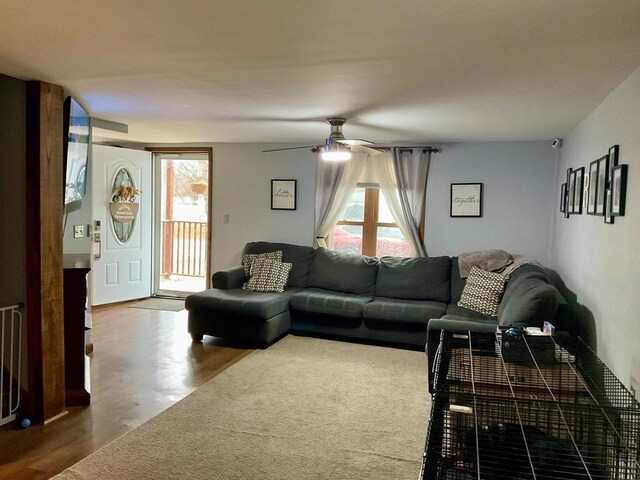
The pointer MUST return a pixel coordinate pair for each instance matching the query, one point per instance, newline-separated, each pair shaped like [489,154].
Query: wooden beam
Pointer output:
[45,319]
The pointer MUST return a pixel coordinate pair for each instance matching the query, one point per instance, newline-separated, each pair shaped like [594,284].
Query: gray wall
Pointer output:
[13,184]
[518,196]
[13,202]
[242,189]
[601,263]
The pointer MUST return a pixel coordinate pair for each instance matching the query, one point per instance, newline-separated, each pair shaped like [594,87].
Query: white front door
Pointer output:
[121,266]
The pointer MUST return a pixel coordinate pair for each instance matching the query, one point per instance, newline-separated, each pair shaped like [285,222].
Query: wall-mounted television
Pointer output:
[76,151]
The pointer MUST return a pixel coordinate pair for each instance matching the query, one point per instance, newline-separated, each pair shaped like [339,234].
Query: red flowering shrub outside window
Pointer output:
[367,227]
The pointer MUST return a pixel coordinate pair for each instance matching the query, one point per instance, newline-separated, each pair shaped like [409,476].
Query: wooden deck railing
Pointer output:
[184,248]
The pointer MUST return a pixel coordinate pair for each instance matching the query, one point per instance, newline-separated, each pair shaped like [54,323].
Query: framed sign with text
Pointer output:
[283,194]
[466,200]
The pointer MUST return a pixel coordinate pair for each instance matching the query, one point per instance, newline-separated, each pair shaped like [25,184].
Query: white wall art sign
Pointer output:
[466,200]
[283,194]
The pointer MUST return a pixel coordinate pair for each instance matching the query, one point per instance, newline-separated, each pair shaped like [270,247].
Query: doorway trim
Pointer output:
[209,152]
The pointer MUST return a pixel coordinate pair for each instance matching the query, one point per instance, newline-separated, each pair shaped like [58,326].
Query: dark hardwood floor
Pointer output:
[143,362]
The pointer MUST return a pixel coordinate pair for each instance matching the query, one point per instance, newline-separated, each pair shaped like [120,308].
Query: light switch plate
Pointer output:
[78,231]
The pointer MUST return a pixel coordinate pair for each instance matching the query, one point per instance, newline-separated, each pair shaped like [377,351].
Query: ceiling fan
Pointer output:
[336,147]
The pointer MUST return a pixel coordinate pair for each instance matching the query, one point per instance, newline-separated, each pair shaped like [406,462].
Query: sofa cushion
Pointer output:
[532,302]
[416,312]
[343,272]
[415,278]
[299,256]
[483,291]
[267,275]
[457,282]
[239,303]
[248,258]
[325,302]
[453,310]
[519,276]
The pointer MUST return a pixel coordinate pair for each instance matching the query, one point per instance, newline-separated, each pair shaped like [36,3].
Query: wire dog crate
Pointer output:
[528,407]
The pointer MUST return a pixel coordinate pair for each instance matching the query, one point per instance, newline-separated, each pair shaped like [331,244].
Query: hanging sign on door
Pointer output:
[123,206]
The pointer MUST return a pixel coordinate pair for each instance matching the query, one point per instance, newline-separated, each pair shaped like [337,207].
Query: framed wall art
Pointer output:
[608,218]
[585,191]
[603,170]
[613,160]
[571,190]
[283,194]
[593,187]
[578,176]
[563,198]
[618,190]
[465,200]
[567,212]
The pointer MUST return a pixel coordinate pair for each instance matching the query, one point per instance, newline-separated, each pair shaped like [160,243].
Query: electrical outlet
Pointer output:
[225,218]
[78,231]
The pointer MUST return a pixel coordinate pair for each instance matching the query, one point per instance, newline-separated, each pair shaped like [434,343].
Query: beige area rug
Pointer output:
[303,409]
[173,305]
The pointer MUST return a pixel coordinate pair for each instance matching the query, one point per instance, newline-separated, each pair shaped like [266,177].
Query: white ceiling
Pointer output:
[272,70]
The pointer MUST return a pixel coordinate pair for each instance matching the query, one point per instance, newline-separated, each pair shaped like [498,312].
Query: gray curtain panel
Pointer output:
[412,170]
[327,182]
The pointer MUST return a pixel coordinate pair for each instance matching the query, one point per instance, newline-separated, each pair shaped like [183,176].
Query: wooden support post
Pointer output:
[45,317]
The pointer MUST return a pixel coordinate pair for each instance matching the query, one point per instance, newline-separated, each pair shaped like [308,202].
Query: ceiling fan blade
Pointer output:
[288,148]
[363,149]
[355,141]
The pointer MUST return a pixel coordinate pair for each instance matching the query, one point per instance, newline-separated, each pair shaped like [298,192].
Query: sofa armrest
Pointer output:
[228,278]
[455,323]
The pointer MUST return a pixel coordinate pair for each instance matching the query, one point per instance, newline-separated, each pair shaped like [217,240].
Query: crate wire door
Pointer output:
[530,410]
[10,362]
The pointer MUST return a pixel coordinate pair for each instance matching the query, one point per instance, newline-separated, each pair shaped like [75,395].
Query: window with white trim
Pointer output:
[367,226]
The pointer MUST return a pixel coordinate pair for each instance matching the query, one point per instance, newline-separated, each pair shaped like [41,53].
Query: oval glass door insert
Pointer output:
[122,230]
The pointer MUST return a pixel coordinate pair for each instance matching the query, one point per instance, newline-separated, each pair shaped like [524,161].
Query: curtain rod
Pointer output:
[425,148]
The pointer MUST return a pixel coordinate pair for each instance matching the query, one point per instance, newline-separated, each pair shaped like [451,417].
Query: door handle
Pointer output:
[97,246]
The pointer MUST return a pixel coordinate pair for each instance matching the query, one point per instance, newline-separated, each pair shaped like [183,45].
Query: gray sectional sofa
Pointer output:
[401,301]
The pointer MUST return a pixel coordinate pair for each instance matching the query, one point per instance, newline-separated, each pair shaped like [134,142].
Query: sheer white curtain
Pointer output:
[385,172]
[347,183]
[411,167]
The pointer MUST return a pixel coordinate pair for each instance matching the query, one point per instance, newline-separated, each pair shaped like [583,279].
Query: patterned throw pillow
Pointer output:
[248,258]
[483,291]
[267,275]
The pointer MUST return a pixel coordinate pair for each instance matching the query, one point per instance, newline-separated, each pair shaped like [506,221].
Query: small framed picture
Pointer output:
[618,190]
[585,192]
[603,170]
[465,200]
[608,218]
[563,198]
[593,187]
[567,213]
[283,194]
[571,191]
[578,176]
[614,152]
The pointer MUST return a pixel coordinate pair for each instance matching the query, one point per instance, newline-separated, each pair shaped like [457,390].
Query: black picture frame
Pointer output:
[578,185]
[585,191]
[567,212]
[571,190]
[465,200]
[608,218]
[283,193]
[563,198]
[618,190]
[593,187]
[603,172]
[614,153]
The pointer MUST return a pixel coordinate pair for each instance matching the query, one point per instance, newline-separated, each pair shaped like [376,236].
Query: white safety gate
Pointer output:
[10,362]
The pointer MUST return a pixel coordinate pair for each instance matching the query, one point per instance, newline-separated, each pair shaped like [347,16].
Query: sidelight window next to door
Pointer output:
[181,240]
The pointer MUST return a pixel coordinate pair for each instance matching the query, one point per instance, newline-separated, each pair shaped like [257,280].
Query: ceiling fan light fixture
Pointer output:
[333,152]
